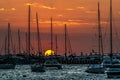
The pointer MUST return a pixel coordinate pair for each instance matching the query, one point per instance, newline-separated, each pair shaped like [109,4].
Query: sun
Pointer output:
[49,52]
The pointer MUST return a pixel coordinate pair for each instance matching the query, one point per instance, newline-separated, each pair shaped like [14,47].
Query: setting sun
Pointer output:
[49,52]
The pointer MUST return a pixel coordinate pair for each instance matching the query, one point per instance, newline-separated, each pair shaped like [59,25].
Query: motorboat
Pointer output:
[7,66]
[52,63]
[95,68]
[37,67]
[114,70]
[7,63]
[106,63]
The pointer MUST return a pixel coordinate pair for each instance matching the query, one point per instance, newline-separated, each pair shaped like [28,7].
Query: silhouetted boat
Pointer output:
[96,68]
[7,62]
[106,62]
[52,63]
[37,67]
[7,66]
[114,69]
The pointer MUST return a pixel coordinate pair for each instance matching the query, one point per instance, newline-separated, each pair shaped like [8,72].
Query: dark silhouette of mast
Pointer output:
[8,39]
[5,44]
[29,13]
[26,42]
[65,41]
[99,29]
[19,43]
[111,44]
[51,35]
[100,42]
[38,36]
[56,42]
[69,44]
[11,44]
[68,48]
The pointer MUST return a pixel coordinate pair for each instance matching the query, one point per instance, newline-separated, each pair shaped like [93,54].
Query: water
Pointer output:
[69,72]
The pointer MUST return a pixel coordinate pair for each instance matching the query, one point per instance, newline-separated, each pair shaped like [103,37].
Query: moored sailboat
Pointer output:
[7,62]
[37,67]
[51,61]
[97,68]
[114,68]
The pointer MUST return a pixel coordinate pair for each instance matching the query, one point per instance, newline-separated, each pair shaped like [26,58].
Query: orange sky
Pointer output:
[79,15]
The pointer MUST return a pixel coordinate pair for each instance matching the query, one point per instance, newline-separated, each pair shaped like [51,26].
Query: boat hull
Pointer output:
[97,69]
[113,74]
[52,65]
[37,68]
[7,66]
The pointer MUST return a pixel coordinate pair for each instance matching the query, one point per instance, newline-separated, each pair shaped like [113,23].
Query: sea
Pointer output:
[69,72]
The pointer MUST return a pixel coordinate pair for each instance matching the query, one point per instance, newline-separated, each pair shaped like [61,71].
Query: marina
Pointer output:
[54,58]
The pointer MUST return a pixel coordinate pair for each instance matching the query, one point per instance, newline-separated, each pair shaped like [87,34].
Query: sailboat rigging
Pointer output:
[38,36]
[100,41]
[111,35]
[19,42]
[29,13]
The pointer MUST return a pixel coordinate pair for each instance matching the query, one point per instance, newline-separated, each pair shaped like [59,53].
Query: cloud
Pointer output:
[91,12]
[69,9]
[104,22]
[40,6]
[2,9]
[74,22]
[9,9]
[13,9]
[60,15]
[80,7]
[70,20]
[47,7]
[119,12]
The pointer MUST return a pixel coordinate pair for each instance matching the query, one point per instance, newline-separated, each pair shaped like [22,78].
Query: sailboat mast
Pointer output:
[111,44]
[8,38]
[29,10]
[26,42]
[99,29]
[5,44]
[51,35]
[56,44]
[38,32]
[65,41]
[69,43]
[38,36]
[19,43]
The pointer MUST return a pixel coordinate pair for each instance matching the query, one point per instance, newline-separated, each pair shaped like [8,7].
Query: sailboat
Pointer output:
[51,62]
[114,68]
[96,68]
[68,53]
[8,62]
[37,67]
